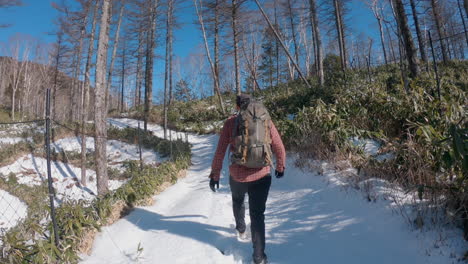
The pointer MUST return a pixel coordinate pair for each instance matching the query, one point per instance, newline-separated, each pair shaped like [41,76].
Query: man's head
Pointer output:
[242,101]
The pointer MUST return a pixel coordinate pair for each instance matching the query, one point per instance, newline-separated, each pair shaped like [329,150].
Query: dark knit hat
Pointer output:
[243,100]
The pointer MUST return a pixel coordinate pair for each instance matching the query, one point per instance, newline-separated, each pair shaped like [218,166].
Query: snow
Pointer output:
[31,170]
[13,210]
[369,146]
[309,219]
[13,140]
[18,129]
[117,151]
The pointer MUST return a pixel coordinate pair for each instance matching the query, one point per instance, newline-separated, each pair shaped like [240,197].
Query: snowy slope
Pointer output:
[13,210]
[31,170]
[13,140]
[117,151]
[309,219]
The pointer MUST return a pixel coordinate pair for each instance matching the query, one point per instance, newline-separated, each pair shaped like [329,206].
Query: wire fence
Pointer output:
[42,167]
[23,173]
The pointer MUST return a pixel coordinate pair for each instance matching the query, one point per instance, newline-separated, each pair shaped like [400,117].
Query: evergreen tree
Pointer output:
[183,92]
[268,60]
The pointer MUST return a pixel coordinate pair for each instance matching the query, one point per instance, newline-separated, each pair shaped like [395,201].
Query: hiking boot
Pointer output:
[243,236]
[260,260]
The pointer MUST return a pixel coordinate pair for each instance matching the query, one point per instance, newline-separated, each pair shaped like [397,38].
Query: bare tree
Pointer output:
[79,20]
[100,113]
[422,45]
[17,70]
[318,40]
[440,31]
[139,65]
[85,91]
[291,15]
[465,4]
[462,16]
[377,11]
[123,71]
[402,22]
[339,15]
[168,68]
[150,46]
[213,65]
[282,44]
[114,52]
[235,33]
[252,56]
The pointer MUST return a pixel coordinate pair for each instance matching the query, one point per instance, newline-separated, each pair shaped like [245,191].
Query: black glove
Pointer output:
[279,174]
[214,183]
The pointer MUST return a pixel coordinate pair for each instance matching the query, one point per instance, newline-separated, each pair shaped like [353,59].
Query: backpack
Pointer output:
[251,145]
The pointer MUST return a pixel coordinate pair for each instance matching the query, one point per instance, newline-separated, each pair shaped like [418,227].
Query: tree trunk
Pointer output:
[150,45]
[78,62]
[276,45]
[463,20]
[85,94]
[465,4]
[236,45]
[293,31]
[100,113]
[122,78]
[422,45]
[440,31]
[167,78]
[340,31]
[407,38]
[282,44]
[213,65]
[114,52]
[216,59]
[390,41]
[53,104]
[382,40]
[139,66]
[251,65]
[318,41]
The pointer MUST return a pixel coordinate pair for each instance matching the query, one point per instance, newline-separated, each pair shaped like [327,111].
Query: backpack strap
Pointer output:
[235,127]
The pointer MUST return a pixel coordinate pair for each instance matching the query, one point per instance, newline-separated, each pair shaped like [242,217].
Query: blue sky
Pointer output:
[37,16]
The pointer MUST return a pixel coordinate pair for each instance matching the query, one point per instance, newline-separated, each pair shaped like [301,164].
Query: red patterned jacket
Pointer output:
[238,172]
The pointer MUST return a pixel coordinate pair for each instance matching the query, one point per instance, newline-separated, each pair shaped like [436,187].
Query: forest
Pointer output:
[398,81]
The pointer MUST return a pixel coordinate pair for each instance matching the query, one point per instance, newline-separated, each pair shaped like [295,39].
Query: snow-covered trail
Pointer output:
[308,220]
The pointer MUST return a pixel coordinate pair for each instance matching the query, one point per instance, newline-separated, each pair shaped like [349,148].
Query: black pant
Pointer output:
[258,194]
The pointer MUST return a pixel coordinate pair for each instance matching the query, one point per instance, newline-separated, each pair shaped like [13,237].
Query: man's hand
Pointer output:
[214,183]
[279,174]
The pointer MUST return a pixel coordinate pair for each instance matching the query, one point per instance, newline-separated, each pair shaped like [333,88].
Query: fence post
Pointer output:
[139,145]
[49,171]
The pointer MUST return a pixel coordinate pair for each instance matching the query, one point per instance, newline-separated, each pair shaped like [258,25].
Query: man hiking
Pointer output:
[252,137]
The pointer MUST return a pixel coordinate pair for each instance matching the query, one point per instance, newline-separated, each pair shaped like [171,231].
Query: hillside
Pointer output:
[32,79]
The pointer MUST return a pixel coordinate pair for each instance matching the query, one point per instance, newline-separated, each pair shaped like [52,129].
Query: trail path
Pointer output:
[309,219]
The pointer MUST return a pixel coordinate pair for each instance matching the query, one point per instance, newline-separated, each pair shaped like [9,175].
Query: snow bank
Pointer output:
[18,129]
[13,211]
[371,147]
[13,140]
[117,151]
[31,170]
